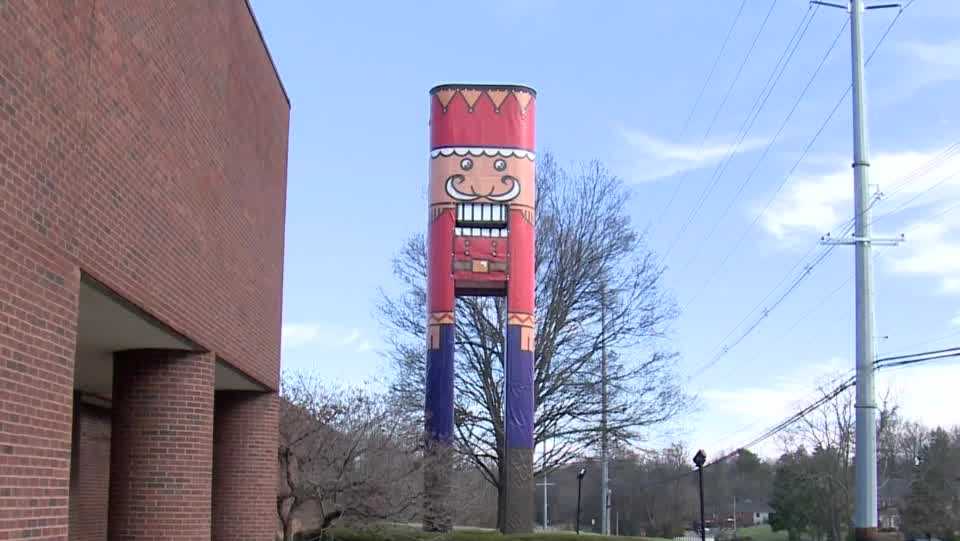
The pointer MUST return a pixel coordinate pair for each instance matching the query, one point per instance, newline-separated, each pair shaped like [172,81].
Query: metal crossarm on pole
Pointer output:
[853,240]
[829,4]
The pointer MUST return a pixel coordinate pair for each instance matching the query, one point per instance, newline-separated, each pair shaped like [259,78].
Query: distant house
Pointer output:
[750,513]
[890,497]
[889,518]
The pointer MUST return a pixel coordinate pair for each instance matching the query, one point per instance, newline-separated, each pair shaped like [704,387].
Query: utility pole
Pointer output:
[605,466]
[546,521]
[865,466]
[736,484]
[865,512]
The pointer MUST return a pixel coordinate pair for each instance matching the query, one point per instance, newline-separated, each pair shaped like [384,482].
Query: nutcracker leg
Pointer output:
[520,376]
[438,414]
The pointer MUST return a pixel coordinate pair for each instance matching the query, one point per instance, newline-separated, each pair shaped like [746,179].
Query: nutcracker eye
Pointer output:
[500,165]
[466,164]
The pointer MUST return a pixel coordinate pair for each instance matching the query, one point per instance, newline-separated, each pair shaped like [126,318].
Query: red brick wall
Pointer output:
[244,466]
[161,453]
[90,473]
[144,143]
[38,296]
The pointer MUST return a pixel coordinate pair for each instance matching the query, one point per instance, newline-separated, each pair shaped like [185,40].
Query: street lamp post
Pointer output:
[699,459]
[580,474]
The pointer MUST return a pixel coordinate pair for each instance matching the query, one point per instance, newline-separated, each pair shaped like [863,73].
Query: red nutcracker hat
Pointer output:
[482,120]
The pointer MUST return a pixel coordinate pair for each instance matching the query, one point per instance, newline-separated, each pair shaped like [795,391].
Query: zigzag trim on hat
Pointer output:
[484,151]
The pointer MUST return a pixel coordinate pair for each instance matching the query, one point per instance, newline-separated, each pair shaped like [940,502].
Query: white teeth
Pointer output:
[481,213]
[496,232]
[474,214]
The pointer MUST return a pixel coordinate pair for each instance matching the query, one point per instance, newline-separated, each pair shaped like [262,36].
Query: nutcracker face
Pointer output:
[482,174]
[482,188]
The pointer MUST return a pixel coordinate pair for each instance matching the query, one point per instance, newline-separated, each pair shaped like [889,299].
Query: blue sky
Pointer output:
[616,82]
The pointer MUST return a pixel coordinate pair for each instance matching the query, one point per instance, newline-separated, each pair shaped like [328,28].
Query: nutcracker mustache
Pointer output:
[454,180]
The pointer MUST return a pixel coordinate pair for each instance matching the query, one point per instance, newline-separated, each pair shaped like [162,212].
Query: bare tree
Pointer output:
[667,505]
[585,242]
[830,431]
[343,454]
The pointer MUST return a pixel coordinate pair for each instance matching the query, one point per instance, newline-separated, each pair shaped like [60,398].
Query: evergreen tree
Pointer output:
[793,500]
[932,506]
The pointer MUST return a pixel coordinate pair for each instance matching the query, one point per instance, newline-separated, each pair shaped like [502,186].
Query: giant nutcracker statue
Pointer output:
[481,242]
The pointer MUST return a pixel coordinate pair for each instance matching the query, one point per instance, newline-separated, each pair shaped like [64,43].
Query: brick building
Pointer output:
[143,150]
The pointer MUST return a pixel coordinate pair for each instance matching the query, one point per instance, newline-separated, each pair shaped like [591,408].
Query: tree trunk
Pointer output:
[286,519]
[501,496]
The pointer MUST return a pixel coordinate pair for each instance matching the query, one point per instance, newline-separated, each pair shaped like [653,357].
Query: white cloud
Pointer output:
[758,408]
[944,56]
[817,203]
[932,249]
[922,64]
[956,320]
[924,393]
[655,158]
[324,336]
[916,183]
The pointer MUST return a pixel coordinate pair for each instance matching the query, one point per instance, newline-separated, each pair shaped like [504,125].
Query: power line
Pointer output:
[914,198]
[726,96]
[726,348]
[894,360]
[760,304]
[951,208]
[907,362]
[950,177]
[696,102]
[713,68]
[763,211]
[805,272]
[928,166]
[848,382]
[933,340]
[817,306]
[879,364]
[736,77]
[712,229]
[715,271]
[794,325]
[807,269]
[931,165]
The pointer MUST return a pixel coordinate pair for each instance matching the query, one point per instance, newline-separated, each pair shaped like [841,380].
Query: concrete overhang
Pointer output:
[108,323]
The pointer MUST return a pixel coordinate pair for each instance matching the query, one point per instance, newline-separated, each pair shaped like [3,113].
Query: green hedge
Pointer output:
[401,533]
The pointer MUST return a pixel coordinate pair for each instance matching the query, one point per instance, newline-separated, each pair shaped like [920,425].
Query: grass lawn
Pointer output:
[761,533]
